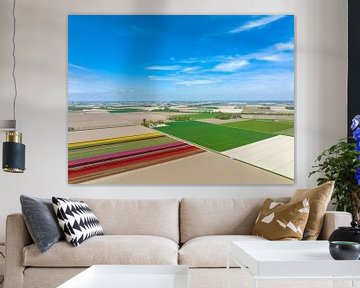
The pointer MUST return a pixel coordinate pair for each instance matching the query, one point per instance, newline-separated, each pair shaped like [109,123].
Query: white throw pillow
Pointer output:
[76,220]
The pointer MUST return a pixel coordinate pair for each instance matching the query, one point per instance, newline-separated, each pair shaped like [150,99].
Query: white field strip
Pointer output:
[96,134]
[274,154]
[228,109]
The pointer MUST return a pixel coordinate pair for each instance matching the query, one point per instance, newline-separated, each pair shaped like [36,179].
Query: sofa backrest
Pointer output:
[159,217]
[200,217]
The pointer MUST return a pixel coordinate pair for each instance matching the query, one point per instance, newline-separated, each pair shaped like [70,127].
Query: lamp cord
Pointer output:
[2,280]
[14,61]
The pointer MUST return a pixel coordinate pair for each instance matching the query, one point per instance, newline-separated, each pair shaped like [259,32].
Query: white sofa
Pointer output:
[194,232]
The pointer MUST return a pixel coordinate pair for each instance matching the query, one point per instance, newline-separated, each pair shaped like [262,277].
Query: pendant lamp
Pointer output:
[13,160]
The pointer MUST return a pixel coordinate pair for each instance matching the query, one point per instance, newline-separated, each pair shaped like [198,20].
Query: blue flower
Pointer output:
[357,147]
[357,176]
[355,122]
[356,134]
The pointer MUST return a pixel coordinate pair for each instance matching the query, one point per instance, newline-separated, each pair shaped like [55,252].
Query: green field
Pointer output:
[287,132]
[216,137]
[195,116]
[126,110]
[279,127]
[118,147]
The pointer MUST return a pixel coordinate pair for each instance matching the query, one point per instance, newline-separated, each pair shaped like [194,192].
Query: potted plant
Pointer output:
[341,163]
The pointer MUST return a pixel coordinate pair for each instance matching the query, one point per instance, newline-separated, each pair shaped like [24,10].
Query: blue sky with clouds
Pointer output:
[181,58]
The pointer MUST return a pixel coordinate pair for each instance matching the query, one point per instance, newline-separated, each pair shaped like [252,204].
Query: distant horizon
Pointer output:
[198,58]
[185,101]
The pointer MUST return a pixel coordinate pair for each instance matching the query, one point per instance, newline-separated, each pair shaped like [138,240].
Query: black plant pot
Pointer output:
[343,250]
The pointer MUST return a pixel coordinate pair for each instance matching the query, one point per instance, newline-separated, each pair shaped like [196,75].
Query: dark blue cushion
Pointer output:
[41,221]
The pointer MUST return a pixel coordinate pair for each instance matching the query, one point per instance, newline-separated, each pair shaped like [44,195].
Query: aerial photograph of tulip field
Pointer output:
[181,99]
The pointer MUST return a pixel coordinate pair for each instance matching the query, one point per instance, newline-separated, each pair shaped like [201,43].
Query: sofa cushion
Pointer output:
[319,198]
[76,220]
[201,217]
[279,221]
[41,221]
[211,251]
[107,249]
[158,217]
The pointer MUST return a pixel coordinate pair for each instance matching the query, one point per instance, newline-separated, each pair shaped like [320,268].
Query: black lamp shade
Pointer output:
[13,157]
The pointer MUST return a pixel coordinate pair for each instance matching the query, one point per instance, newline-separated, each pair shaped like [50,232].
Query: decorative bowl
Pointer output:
[344,250]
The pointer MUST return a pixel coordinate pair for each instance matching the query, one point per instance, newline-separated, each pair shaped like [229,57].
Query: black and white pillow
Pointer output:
[77,220]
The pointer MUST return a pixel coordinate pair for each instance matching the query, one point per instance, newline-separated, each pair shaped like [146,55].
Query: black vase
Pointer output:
[350,234]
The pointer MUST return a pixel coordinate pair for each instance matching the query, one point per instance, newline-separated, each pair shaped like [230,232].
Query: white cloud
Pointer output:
[186,80]
[257,23]
[191,60]
[153,77]
[278,57]
[194,82]
[191,69]
[231,66]
[90,85]
[285,46]
[275,85]
[271,58]
[164,68]
[78,67]
[86,84]
[157,78]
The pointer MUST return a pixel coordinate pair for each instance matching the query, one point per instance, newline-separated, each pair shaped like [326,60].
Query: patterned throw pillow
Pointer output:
[279,221]
[77,220]
[319,198]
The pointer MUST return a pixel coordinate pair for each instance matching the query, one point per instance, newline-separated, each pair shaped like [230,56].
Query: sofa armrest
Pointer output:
[17,237]
[333,220]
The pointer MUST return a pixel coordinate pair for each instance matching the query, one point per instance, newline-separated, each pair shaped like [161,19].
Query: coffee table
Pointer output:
[292,260]
[131,276]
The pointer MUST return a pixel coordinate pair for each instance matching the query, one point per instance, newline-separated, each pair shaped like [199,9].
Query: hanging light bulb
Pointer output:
[13,149]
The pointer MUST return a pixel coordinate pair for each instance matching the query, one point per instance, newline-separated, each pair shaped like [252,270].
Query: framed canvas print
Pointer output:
[181,99]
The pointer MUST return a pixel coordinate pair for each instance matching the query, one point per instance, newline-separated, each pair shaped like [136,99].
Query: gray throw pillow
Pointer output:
[41,221]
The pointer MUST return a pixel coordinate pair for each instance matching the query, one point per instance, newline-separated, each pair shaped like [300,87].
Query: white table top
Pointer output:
[131,276]
[291,259]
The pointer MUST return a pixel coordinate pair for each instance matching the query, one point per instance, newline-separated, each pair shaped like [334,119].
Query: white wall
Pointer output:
[321,64]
